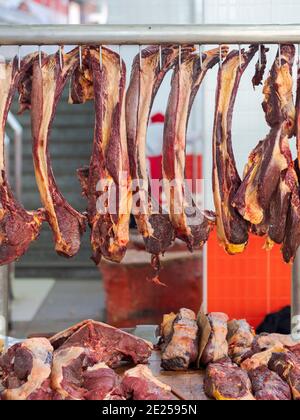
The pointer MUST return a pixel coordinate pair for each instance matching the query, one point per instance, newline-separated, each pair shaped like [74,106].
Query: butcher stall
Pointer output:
[192,354]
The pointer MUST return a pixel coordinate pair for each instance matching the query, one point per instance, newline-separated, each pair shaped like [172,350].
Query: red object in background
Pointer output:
[249,285]
[61,6]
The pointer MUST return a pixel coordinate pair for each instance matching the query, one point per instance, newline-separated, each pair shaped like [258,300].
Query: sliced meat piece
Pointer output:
[254,361]
[26,370]
[147,74]
[232,229]
[140,384]
[217,346]
[268,386]
[240,338]
[104,343]
[190,223]
[18,227]
[77,375]
[180,345]
[107,183]
[266,341]
[272,156]
[48,83]
[226,381]
[287,366]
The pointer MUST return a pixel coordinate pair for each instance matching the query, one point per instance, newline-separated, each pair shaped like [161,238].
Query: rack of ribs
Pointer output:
[18,227]
[106,183]
[232,229]
[48,82]
[148,71]
[191,224]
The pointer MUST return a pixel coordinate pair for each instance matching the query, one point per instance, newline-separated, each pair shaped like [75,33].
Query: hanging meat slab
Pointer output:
[179,341]
[268,386]
[48,82]
[26,370]
[18,227]
[148,72]
[264,187]
[106,183]
[191,224]
[232,229]
[226,381]
[217,346]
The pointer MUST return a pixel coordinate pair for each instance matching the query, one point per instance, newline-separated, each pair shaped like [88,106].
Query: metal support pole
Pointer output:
[295,319]
[4,299]
[147,34]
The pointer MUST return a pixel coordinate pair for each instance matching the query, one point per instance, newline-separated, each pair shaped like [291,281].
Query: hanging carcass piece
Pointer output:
[265,192]
[18,228]
[231,228]
[190,223]
[179,340]
[268,386]
[148,71]
[26,370]
[226,381]
[48,82]
[106,183]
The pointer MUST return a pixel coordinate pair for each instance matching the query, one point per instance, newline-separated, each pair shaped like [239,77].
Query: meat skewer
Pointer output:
[190,224]
[148,72]
[18,227]
[48,83]
[106,183]
[231,228]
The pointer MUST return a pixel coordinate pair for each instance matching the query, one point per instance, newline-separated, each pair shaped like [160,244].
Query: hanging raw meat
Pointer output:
[148,72]
[265,192]
[18,227]
[26,370]
[232,229]
[48,82]
[191,224]
[106,183]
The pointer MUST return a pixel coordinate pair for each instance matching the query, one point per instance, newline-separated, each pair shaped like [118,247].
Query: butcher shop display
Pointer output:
[94,361]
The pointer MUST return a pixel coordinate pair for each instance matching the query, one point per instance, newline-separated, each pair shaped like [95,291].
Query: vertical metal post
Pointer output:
[4,300]
[295,310]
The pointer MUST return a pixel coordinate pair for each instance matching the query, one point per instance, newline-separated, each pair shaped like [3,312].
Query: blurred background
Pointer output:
[49,292]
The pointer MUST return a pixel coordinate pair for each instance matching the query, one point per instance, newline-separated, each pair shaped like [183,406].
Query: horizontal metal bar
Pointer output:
[147,34]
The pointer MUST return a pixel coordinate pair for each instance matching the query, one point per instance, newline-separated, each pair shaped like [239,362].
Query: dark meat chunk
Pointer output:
[287,366]
[240,338]
[226,381]
[268,386]
[180,341]
[217,346]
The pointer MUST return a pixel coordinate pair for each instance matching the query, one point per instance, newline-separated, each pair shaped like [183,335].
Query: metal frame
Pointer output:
[161,34]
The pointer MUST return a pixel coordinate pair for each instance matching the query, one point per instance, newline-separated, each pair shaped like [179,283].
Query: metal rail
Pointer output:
[159,34]
[147,34]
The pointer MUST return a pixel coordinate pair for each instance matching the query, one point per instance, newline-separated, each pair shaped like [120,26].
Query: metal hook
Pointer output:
[100,57]
[240,56]
[140,57]
[259,56]
[80,57]
[61,64]
[40,56]
[200,55]
[121,61]
[19,57]
[180,56]
[220,56]
[160,57]
[298,62]
[279,54]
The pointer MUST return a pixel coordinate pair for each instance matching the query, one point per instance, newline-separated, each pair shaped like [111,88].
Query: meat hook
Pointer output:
[140,56]
[180,56]
[40,56]
[120,55]
[160,57]
[80,57]
[221,56]
[240,56]
[60,57]
[100,57]
[279,54]
[200,55]
[19,57]
[259,56]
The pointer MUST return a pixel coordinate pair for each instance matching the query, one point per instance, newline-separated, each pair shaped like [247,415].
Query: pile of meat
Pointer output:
[239,365]
[80,364]
[265,201]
